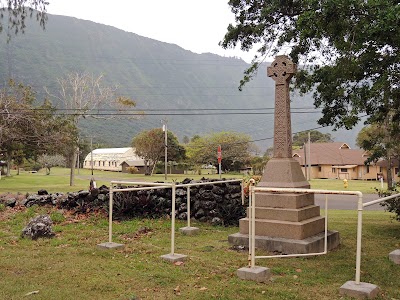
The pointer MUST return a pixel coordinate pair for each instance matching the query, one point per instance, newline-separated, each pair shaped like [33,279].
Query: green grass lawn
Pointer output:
[69,266]
[58,181]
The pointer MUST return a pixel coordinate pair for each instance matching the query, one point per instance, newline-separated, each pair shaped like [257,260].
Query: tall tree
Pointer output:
[13,14]
[236,149]
[85,95]
[150,145]
[27,131]
[381,144]
[300,138]
[348,51]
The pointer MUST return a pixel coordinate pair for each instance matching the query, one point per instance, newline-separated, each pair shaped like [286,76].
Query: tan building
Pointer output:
[395,164]
[110,159]
[335,160]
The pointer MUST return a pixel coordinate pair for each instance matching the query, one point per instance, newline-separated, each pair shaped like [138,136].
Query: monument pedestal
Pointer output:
[286,223]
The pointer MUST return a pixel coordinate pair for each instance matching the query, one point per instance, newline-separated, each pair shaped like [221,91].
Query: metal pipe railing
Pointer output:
[298,191]
[113,190]
[155,185]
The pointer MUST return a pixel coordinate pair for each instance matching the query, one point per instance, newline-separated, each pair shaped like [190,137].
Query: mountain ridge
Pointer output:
[158,75]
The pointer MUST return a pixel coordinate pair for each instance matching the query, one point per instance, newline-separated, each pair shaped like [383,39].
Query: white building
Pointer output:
[110,159]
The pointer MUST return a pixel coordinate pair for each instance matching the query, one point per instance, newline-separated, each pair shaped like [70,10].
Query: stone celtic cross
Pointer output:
[281,70]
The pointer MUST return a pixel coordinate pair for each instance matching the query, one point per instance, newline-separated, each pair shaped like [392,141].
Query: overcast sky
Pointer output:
[195,25]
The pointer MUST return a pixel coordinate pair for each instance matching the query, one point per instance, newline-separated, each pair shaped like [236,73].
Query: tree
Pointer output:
[300,138]
[150,145]
[27,131]
[49,161]
[378,141]
[16,12]
[258,163]
[84,95]
[348,51]
[236,148]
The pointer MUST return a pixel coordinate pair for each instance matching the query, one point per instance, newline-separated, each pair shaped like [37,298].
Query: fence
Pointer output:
[360,206]
[152,186]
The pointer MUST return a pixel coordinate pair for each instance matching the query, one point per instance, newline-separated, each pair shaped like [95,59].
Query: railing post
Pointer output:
[359,237]
[250,220]
[173,220]
[110,213]
[253,228]
[188,205]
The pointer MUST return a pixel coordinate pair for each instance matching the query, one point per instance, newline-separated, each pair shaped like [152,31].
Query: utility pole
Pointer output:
[91,153]
[305,161]
[166,148]
[309,156]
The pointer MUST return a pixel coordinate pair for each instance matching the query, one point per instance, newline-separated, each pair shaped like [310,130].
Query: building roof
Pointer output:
[337,154]
[111,150]
[113,154]
[134,163]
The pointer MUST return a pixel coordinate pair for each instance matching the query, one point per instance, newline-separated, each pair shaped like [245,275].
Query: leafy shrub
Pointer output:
[132,170]
[392,205]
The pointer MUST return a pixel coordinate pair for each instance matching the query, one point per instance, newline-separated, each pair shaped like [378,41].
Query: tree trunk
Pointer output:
[72,171]
[389,174]
[8,174]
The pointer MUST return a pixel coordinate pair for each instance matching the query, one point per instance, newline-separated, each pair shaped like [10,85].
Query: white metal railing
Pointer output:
[153,185]
[360,206]
[253,190]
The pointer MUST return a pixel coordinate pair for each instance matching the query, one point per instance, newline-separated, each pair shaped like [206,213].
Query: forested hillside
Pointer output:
[157,75]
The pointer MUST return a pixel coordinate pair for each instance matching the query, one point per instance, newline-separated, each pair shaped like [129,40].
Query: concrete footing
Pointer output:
[174,257]
[362,290]
[395,256]
[110,246]
[258,274]
[189,230]
[313,244]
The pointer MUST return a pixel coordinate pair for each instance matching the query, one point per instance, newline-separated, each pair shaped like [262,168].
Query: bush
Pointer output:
[392,205]
[132,170]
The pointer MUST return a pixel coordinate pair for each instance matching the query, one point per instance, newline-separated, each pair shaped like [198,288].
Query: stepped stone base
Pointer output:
[284,229]
[313,244]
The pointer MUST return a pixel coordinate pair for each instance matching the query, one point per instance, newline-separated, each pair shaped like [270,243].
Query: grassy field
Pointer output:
[58,181]
[69,266]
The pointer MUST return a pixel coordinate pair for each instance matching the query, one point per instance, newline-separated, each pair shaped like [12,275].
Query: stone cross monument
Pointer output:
[285,222]
[281,71]
[282,170]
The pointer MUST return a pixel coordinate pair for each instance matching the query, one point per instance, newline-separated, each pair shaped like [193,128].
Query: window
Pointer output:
[367,167]
[343,170]
[319,168]
[104,163]
[333,170]
[109,163]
